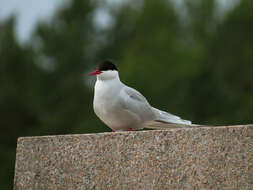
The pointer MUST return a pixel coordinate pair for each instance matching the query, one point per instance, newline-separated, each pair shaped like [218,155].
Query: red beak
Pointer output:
[96,72]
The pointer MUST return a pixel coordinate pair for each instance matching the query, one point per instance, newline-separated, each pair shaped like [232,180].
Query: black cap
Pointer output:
[106,66]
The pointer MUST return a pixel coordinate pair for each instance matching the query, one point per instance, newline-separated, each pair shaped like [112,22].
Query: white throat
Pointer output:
[108,75]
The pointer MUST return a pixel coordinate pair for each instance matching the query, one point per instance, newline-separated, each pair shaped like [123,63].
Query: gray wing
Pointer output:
[136,103]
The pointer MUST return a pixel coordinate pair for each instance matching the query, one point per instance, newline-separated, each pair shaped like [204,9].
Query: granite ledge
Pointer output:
[195,158]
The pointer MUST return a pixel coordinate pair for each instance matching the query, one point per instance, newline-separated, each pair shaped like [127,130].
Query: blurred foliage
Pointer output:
[186,61]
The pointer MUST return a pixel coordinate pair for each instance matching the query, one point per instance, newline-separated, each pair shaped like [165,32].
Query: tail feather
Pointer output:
[168,121]
[163,116]
[156,124]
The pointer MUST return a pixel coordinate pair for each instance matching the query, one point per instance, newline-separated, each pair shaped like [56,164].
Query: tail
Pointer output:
[166,120]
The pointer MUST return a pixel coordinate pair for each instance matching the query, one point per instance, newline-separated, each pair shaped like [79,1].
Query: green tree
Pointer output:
[63,48]
[226,79]
[19,102]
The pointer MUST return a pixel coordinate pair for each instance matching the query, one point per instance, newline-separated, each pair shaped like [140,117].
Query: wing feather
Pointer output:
[137,104]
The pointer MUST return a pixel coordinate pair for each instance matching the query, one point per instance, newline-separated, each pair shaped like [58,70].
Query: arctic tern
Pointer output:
[123,108]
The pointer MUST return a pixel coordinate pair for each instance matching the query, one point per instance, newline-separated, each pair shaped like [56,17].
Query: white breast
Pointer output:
[108,108]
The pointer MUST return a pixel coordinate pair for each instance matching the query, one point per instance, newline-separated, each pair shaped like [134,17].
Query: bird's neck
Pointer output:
[108,76]
[106,89]
[109,83]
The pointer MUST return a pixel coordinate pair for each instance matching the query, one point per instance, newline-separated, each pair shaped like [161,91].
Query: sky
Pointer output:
[28,12]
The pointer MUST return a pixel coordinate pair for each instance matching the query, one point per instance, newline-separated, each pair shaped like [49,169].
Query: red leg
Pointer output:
[113,131]
[130,129]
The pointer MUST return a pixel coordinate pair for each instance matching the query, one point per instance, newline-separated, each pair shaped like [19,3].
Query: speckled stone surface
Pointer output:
[195,158]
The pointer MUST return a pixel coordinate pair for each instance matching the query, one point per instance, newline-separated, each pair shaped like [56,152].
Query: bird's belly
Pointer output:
[116,118]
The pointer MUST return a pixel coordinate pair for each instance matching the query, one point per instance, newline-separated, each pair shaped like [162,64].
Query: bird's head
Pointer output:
[105,71]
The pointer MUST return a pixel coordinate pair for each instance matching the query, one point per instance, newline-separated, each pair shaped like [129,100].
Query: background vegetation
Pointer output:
[194,61]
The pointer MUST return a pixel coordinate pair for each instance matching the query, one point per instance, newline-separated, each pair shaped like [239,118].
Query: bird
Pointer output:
[123,108]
